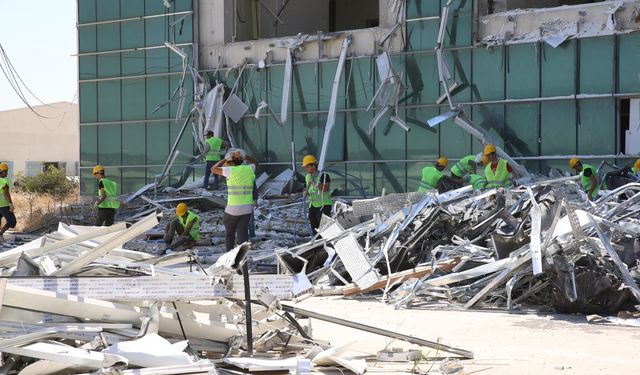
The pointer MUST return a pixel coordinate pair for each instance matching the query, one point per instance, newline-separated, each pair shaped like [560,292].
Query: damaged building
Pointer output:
[355,81]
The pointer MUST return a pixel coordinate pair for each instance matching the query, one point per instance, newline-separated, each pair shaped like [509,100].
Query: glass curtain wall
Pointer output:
[128,84]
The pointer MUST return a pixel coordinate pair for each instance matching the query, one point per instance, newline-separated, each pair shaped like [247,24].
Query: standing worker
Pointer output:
[107,198]
[498,172]
[186,225]
[211,154]
[6,203]
[588,177]
[240,181]
[432,177]
[635,170]
[465,166]
[317,191]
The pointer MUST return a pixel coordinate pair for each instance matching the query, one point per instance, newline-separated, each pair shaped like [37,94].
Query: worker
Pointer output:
[588,177]
[635,170]
[498,172]
[476,181]
[240,198]
[317,192]
[465,166]
[211,155]
[107,202]
[6,203]
[433,178]
[186,225]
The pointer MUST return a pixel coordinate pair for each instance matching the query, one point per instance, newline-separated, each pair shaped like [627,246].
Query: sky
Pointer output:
[39,37]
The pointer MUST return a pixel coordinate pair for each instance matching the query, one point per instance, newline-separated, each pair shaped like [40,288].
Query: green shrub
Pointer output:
[53,183]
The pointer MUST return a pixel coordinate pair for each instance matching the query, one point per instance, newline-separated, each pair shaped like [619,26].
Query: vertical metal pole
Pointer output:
[247,308]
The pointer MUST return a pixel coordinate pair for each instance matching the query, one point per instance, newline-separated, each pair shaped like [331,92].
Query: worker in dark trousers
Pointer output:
[316,191]
[107,198]
[187,227]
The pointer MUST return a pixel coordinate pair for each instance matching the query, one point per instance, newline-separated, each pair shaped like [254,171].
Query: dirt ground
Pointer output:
[31,212]
[502,343]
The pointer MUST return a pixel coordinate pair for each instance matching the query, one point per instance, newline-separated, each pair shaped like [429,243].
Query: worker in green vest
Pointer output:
[187,227]
[240,199]
[498,172]
[476,181]
[317,192]
[107,202]
[6,202]
[588,177]
[211,153]
[635,170]
[465,166]
[433,178]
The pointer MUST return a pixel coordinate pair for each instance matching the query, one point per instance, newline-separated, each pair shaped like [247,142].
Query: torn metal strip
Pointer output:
[536,229]
[286,88]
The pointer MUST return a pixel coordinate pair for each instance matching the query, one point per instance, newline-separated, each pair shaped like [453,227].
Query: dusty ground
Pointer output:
[31,212]
[502,343]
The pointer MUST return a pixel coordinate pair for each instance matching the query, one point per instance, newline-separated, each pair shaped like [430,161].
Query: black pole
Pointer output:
[247,308]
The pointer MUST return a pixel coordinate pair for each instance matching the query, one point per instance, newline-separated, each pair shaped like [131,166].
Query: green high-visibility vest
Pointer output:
[4,182]
[430,178]
[215,144]
[195,228]
[499,178]
[635,170]
[586,181]
[317,198]
[463,167]
[240,185]
[110,189]
[477,182]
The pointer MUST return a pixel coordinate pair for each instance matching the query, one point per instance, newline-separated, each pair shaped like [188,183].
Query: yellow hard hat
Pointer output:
[181,209]
[309,159]
[573,162]
[443,161]
[4,167]
[637,164]
[489,149]
[98,168]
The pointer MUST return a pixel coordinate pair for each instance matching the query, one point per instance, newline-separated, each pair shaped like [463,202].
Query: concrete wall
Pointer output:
[29,138]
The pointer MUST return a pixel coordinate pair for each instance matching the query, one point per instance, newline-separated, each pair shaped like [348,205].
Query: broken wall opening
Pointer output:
[497,6]
[262,19]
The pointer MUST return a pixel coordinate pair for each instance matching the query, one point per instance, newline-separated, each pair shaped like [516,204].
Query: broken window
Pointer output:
[496,6]
[262,19]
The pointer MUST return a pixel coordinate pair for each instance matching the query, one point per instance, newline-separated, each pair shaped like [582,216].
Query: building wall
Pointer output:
[28,138]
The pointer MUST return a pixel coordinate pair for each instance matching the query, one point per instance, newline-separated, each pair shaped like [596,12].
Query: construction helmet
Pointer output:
[4,167]
[443,161]
[181,209]
[637,164]
[97,169]
[309,159]
[573,162]
[489,149]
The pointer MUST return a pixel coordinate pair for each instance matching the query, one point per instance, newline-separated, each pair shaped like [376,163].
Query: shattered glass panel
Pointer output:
[558,69]
[133,144]
[157,95]
[422,8]
[422,141]
[422,77]
[87,39]
[86,11]
[521,129]
[593,137]
[157,143]
[133,63]
[133,99]
[304,87]
[252,136]
[488,74]
[88,102]
[325,85]
[88,145]
[131,8]
[459,24]
[422,35]
[596,65]
[108,65]
[360,76]
[87,66]
[132,34]
[155,31]
[107,10]
[157,60]
[522,72]
[109,144]
[109,101]
[629,63]
[391,177]
[558,131]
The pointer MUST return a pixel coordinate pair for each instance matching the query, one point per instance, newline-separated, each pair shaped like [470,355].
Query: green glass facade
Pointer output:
[534,100]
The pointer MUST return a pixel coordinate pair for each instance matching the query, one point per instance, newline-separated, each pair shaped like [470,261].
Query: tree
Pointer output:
[52,183]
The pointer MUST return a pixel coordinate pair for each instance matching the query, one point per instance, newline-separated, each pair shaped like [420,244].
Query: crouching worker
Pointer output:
[186,226]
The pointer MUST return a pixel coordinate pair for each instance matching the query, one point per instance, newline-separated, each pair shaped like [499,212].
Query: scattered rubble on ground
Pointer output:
[84,299]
